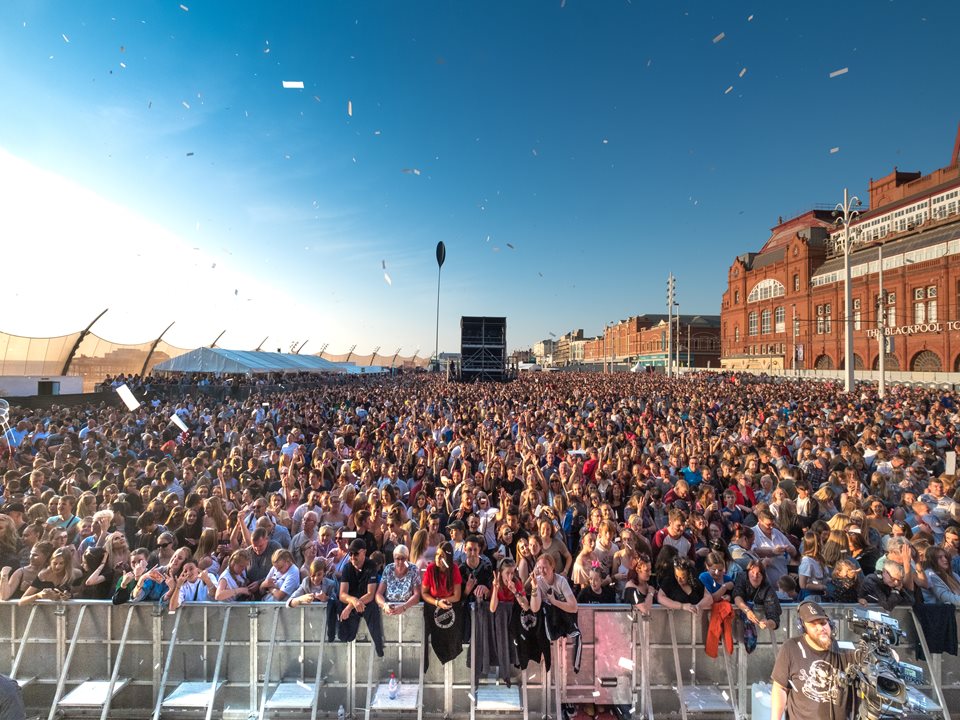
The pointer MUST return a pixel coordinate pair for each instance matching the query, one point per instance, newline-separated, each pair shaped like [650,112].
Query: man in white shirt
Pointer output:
[772,547]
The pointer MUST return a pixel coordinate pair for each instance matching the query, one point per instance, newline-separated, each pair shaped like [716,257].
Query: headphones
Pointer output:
[801,629]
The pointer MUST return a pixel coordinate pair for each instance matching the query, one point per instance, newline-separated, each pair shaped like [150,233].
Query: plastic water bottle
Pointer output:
[341,713]
[393,687]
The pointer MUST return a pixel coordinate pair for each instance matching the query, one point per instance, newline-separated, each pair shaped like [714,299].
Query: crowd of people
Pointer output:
[718,495]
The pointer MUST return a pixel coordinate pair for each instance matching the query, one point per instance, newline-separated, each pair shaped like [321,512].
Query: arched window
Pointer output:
[752,327]
[766,289]
[780,320]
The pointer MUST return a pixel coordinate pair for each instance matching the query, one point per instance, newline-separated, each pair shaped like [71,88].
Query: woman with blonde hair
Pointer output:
[86,504]
[825,498]
[54,582]
[418,548]
[206,553]
[836,547]
[840,521]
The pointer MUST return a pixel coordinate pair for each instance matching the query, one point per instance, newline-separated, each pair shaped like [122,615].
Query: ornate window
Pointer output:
[766,289]
[765,322]
[752,323]
[779,319]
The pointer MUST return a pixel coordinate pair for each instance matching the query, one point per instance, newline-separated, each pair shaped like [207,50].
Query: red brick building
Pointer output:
[784,305]
[643,339]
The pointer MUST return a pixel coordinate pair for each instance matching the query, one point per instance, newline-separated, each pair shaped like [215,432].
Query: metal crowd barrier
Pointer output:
[264,660]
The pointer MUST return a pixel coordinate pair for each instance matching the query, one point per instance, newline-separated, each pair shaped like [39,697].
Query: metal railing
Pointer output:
[53,647]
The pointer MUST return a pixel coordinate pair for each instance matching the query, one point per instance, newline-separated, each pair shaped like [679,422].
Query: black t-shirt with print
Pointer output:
[816,688]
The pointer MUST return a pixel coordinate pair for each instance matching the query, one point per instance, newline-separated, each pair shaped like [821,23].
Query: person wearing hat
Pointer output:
[808,675]
[457,532]
[358,591]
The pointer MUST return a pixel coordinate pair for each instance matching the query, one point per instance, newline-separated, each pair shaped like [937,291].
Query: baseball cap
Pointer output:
[811,612]
[357,545]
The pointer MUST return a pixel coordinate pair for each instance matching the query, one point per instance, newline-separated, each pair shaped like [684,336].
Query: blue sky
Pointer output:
[593,143]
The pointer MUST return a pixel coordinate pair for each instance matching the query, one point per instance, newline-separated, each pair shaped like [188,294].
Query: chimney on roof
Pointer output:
[955,158]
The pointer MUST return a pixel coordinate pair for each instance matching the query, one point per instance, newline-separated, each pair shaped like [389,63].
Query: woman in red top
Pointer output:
[441,589]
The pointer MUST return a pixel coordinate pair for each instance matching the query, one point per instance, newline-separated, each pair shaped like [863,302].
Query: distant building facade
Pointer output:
[784,305]
[644,339]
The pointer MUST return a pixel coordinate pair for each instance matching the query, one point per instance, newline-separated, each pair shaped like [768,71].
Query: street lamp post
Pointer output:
[881,327]
[845,214]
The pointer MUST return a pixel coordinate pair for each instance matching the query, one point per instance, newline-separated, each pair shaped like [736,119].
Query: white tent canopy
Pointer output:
[251,362]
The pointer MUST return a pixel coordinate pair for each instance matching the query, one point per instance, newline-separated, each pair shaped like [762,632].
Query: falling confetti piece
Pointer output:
[122,49]
[596,693]
[189,154]
[749,18]
[834,150]
[625,663]
[383,264]
[605,141]
[185,8]
[185,104]
[540,274]
[725,696]
[236,292]
[496,249]
[511,246]
[728,90]
[213,267]
[534,151]
[266,51]
[563,4]
[350,108]
[841,71]
[743,72]
[386,277]
[719,37]
[149,104]
[65,38]
[123,65]
[317,98]
[293,84]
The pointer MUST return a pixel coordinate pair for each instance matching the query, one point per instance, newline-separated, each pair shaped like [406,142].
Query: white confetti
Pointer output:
[719,37]
[605,141]
[293,84]
[65,38]
[625,663]
[472,698]
[725,696]
[350,108]
[834,150]
[534,151]
[749,18]
[185,104]
[743,72]
[728,90]
[185,8]
[841,71]
[386,277]
[596,693]
[123,65]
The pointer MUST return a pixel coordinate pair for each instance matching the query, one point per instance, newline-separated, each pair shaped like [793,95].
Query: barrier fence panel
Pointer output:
[256,648]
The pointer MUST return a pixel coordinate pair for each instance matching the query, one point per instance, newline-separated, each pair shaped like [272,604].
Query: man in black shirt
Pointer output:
[358,588]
